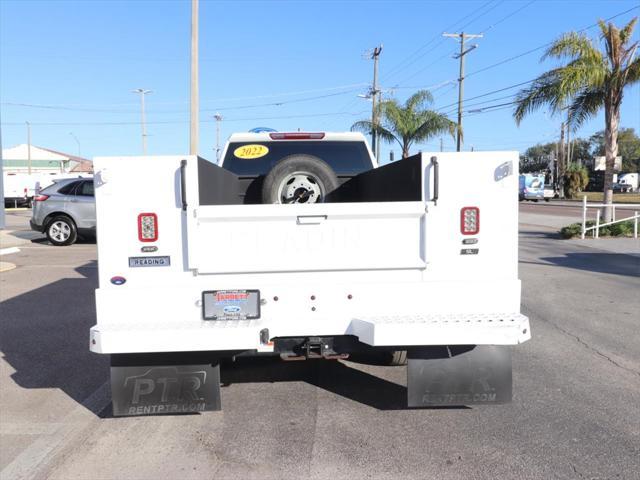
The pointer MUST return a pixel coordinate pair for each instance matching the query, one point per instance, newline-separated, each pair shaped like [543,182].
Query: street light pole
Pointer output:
[193,137]
[142,93]
[218,118]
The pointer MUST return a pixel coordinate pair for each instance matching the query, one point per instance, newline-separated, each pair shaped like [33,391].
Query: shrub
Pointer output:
[576,179]
[623,229]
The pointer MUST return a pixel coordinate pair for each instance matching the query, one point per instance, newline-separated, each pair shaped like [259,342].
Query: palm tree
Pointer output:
[408,123]
[592,79]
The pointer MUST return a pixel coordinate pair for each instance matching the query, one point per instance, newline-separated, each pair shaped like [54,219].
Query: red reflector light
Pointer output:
[40,198]
[297,136]
[147,227]
[469,220]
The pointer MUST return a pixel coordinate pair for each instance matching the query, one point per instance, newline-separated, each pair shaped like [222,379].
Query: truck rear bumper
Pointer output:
[405,330]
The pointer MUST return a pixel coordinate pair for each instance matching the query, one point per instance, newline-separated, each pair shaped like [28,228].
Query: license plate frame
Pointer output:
[235,304]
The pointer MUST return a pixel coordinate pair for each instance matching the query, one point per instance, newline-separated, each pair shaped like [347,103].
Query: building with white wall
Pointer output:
[24,157]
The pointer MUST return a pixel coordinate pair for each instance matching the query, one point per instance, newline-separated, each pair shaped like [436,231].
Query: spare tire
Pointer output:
[299,179]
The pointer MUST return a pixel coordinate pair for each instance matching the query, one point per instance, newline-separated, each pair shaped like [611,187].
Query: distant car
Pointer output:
[65,210]
[549,193]
[622,188]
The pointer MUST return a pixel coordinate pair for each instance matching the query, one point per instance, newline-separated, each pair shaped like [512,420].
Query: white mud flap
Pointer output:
[459,375]
[153,389]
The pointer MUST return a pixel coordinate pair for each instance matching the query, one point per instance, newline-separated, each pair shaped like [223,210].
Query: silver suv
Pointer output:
[65,210]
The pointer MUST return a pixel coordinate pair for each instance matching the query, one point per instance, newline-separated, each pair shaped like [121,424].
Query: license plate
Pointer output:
[149,261]
[231,304]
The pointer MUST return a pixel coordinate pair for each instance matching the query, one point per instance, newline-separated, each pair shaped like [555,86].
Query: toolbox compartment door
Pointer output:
[316,237]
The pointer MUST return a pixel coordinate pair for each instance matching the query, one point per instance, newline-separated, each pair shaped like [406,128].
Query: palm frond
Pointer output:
[545,90]
[392,117]
[419,100]
[584,106]
[627,30]
[633,72]
[366,126]
[433,124]
[556,88]
[572,45]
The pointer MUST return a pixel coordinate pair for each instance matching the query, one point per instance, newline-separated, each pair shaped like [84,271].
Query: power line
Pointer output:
[176,122]
[497,22]
[240,107]
[82,107]
[439,109]
[417,53]
[515,57]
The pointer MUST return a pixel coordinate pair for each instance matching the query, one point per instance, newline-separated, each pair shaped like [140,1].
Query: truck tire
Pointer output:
[61,231]
[299,179]
[398,358]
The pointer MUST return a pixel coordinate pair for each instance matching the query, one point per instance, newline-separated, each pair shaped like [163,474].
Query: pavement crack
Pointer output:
[583,343]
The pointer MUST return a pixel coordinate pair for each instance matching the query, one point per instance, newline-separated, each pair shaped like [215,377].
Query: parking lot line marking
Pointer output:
[38,455]
[28,428]
[7,251]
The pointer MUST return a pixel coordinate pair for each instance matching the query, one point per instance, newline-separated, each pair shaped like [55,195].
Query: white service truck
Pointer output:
[300,245]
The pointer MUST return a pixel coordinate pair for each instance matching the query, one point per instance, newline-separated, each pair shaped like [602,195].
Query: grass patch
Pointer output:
[598,197]
[622,229]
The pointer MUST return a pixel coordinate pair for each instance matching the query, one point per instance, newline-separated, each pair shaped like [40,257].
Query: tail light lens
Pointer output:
[147,227]
[40,198]
[470,220]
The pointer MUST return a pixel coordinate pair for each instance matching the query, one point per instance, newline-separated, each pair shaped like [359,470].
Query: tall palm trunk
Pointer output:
[612,122]
[405,148]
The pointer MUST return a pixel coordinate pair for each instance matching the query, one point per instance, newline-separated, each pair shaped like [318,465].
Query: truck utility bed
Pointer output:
[387,262]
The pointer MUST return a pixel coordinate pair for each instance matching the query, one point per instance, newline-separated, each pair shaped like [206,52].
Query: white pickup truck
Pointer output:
[299,245]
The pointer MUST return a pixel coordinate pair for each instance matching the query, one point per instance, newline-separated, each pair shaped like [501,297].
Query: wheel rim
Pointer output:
[300,187]
[60,231]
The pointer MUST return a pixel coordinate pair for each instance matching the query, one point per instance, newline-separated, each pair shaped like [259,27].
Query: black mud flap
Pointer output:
[163,389]
[459,375]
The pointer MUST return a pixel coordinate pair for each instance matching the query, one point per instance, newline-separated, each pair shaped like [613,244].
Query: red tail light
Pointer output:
[147,227]
[297,136]
[469,220]
[41,198]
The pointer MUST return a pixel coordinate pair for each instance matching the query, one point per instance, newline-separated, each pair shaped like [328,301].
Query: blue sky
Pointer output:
[69,67]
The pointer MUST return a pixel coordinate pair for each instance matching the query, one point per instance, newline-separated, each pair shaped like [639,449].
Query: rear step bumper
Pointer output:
[434,329]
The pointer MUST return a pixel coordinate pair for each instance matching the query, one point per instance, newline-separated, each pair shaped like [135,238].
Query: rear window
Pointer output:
[346,158]
[68,188]
[86,189]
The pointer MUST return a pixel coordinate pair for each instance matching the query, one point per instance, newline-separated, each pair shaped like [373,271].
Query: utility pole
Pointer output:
[561,162]
[142,93]
[375,91]
[28,147]
[462,36]
[193,137]
[218,118]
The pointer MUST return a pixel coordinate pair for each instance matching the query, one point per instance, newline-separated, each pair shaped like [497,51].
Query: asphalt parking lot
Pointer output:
[575,412]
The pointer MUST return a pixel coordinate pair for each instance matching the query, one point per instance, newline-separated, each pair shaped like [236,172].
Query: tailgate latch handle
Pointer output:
[436,179]
[183,184]
[311,219]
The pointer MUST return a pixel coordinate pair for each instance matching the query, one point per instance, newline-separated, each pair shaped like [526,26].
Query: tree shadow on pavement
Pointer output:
[612,263]
[44,336]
